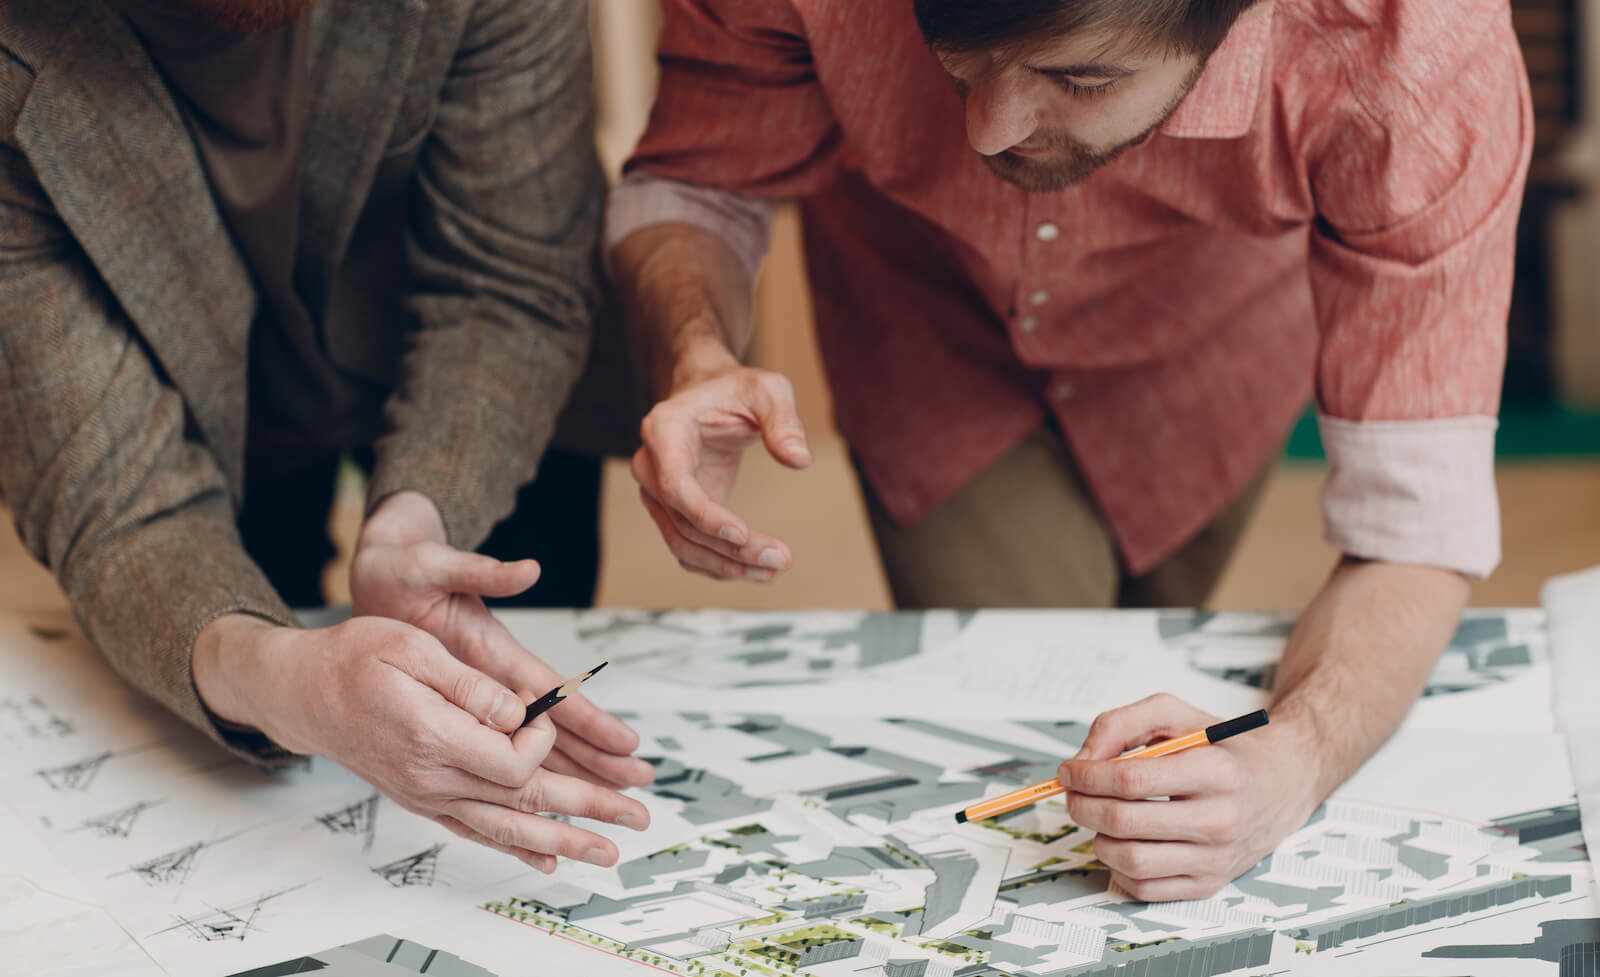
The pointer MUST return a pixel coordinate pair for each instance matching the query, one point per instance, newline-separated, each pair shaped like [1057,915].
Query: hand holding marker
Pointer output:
[983,810]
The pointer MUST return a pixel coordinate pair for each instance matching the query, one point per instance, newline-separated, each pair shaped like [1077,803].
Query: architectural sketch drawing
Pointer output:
[379,956]
[118,823]
[233,923]
[861,869]
[1489,647]
[419,869]
[172,868]
[360,818]
[27,719]
[77,775]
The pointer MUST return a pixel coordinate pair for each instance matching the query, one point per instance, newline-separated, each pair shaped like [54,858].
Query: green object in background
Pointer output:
[1525,432]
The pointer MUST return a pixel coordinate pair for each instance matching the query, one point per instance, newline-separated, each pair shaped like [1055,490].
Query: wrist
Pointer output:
[223,666]
[1296,731]
[401,519]
[699,352]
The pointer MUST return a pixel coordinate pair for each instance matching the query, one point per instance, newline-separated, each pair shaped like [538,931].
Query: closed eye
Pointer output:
[1079,90]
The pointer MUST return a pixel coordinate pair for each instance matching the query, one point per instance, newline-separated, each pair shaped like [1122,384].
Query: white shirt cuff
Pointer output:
[643,199]
[1413,492]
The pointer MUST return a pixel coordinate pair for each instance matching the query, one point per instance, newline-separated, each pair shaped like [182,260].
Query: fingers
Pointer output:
[718,559]
[1170,889]
[510,761]
[509,828]
[666,467]
[772,398]
[1158,717]
[610,766]
[553,793]
[460,572]
[535,860]
[468,689]
[1150,860]
[1205,822]
[1210,770]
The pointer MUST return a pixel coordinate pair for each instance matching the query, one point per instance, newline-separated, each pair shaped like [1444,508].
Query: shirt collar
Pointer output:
[1222,104]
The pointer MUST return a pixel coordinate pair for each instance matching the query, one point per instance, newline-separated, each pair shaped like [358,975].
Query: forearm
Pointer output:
[687,299]
[1359,657]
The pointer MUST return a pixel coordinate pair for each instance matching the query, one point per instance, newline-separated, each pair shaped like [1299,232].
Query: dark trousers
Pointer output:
[284,524]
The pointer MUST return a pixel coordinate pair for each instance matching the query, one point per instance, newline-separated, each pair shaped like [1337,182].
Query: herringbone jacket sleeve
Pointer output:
[107,479]
[502,237]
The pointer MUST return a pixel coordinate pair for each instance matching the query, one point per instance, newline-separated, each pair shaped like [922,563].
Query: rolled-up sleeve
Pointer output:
[740,119]
[643,199]
[1418,182]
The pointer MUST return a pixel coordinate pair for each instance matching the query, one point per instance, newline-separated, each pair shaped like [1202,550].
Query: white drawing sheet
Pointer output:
[803,824]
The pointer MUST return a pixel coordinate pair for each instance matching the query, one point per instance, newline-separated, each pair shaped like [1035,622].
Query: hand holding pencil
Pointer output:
[1034,793]
[1228,803]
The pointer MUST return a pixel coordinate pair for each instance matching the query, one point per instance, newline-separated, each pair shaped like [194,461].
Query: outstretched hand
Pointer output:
[403,569]
[692,445]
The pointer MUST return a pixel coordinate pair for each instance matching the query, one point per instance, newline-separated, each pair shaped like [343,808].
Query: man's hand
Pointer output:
[693,442]
[389,703]
[403,569]
[1230,803]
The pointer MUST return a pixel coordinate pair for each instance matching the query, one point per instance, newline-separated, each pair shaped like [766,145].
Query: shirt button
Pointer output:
[1029,323]
[1062,391]
[1040,297]
[1048,231]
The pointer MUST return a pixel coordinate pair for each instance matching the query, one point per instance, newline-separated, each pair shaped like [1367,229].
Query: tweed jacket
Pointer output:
[450,204]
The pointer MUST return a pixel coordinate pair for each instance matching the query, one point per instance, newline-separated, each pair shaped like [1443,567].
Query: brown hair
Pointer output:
[966,26]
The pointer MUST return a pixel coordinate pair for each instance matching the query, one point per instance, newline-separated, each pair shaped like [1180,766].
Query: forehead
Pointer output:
[1121,51]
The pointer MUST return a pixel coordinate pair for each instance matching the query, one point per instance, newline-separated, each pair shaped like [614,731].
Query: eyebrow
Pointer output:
[1092,69]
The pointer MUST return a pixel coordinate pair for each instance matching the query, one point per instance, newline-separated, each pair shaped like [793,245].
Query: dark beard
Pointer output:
[1069,161]
[251,16]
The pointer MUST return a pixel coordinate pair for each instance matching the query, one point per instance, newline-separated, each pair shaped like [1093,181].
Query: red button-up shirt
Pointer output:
[1332,210]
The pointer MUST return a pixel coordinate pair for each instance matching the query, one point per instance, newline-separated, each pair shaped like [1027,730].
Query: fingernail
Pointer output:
[508,711]
[797,446]
[630,821]
[732,534]
[1063,777]
[759,576]
[771,558]
[597,856]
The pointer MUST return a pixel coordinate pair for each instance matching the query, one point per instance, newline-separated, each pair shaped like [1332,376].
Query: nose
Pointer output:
[999,116]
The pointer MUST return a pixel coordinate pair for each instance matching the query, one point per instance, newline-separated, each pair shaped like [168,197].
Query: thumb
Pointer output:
[459,572]
[1158,717]
[468,689]
[781,429]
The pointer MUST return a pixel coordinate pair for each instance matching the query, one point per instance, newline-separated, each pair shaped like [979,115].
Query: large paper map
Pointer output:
[808,769]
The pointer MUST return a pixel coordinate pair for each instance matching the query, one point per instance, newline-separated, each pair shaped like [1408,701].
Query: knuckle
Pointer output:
[504,834]
[1230,772]
[1117,821]
[1139,889]
[1205,887]
[1228,827]
[1129,779]
[532,799]
[1134,861]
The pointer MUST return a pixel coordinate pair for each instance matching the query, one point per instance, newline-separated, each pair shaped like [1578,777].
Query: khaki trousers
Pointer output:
[1026,533]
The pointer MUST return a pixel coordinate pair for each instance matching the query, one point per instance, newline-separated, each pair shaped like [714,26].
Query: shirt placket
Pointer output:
[1035,304]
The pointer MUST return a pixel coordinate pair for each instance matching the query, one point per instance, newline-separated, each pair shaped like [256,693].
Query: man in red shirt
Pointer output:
[1077,266]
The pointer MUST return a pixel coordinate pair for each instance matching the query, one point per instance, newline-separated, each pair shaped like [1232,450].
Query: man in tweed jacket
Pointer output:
[433,164]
